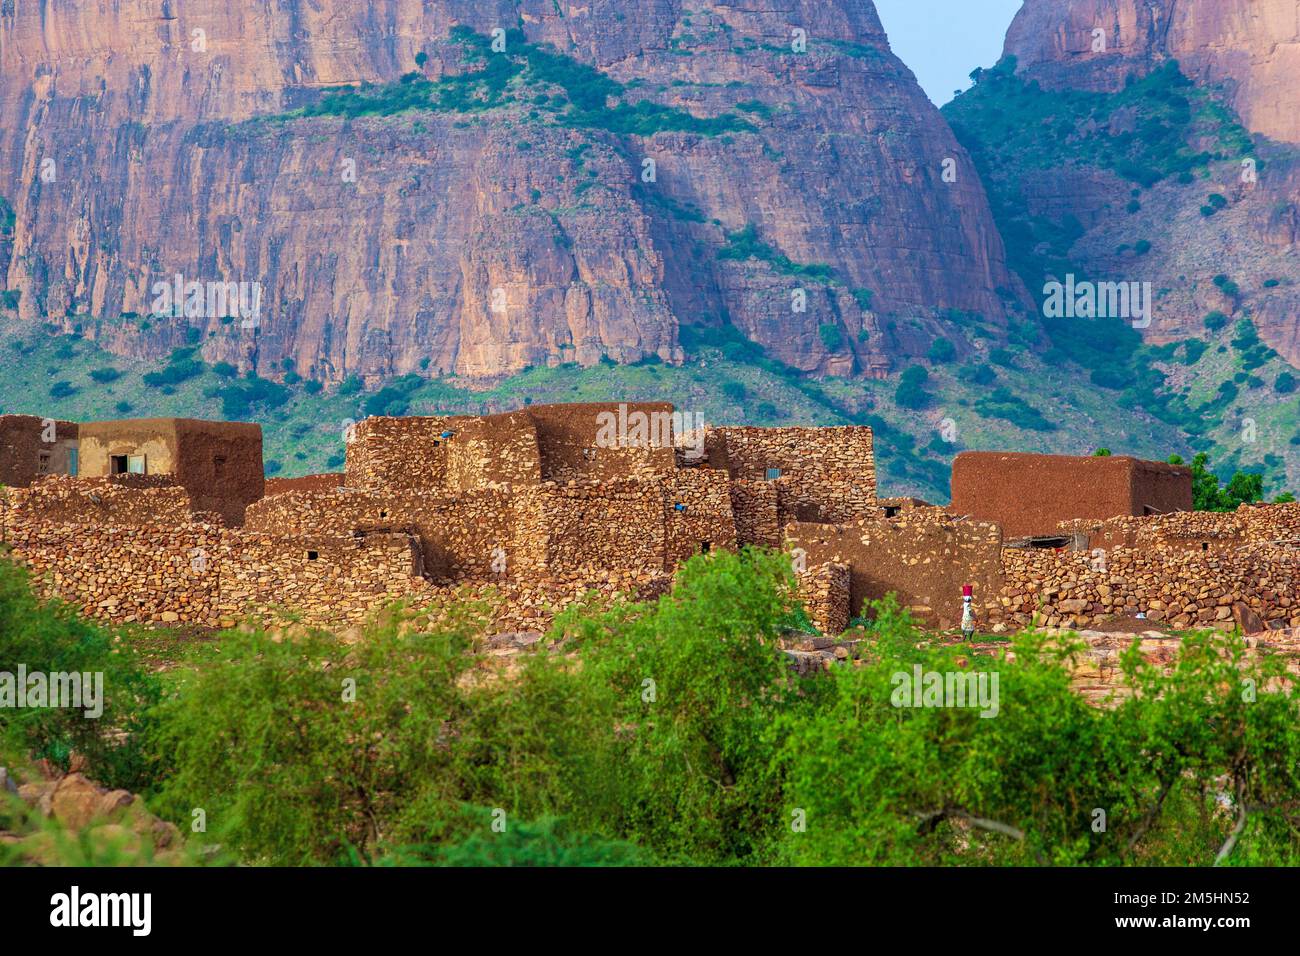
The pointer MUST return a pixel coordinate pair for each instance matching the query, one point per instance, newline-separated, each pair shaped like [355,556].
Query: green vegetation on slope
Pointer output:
[522,74]
[1160,129]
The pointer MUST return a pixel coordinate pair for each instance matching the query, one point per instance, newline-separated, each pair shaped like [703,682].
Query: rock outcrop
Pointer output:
[135,146]
[85,824]
[1251,47]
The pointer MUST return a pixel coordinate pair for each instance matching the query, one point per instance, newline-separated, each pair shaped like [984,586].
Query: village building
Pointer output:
[1030,495]
[170,521]
[31,448]
[218,463]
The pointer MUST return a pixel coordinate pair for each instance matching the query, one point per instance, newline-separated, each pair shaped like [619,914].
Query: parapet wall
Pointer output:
[123,499]
[397,454]
[459,534]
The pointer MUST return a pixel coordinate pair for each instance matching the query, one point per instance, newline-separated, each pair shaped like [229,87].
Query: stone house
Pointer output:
[218,463]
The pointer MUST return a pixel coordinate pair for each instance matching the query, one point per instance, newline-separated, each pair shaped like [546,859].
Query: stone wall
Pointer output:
[211,576]
[825,593]
[924,557]
[397,454]
[459,534]
[500,450]
[605,441]
[123,499]
[609,527]
[1182,588]
[697,515]
[757,513]
[125,573]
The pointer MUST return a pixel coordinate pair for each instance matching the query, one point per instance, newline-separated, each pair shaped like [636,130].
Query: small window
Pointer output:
[705,547]
[313,555]
[383,514]
[135,464]
[773,474]
[891,511]
[117,464]
[219,466]
[1205,546]
[43,468]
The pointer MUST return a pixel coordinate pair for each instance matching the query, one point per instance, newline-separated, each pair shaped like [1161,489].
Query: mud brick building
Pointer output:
[218,463]
[535,509]
[32,448]
[1030,495]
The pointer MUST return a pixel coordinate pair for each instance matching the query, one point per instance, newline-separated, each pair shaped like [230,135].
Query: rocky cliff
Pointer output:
[1221,206]
[1251,47]
[584,183]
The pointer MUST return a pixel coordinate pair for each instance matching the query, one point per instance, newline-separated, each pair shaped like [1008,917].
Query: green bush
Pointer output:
[105,375]
[887,785]
[977,374]
[832,337]
[911,392]
[941,352]
[51,638]
[238,400]
[734,391]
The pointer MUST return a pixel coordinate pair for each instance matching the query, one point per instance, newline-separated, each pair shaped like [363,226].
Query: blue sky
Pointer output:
[943,40]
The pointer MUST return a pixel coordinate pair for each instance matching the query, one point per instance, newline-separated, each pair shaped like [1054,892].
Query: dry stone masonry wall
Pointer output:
[532,510]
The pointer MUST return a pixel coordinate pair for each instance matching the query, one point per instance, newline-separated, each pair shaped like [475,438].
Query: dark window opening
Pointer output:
[118,464]
[891,511]
[383,514]
[313,555]
[1205,546]
[705,547]
[219,466]
[44,466]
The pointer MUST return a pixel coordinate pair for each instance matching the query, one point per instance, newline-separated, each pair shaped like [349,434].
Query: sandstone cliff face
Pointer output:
[132,148]
[1251,47]
[1249,50]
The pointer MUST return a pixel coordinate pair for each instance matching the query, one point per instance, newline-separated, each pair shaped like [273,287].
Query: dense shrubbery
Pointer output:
[911,391]
[180,367]
[1005,404]
[1209,494]
[239,399]
[674,732]
[51,638]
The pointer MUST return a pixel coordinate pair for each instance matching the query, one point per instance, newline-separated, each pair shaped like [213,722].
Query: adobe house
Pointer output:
[218,463]
[32,447]
[1030,495]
